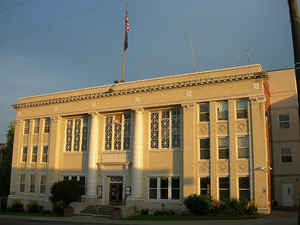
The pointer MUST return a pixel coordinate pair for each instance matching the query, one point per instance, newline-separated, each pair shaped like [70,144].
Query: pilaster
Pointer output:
[213,150]
[137,166]
[92,157]
[189,153]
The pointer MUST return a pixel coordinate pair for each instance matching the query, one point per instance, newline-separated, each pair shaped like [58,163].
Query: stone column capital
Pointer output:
[188,106]
[55,118]
[138,109]
[93,114]
[257,99]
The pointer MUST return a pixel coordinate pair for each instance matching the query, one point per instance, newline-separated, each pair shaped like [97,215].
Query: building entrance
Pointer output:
[115,193]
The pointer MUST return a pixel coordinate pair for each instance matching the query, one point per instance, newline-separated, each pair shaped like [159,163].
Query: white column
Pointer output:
[137,165]
[92,157]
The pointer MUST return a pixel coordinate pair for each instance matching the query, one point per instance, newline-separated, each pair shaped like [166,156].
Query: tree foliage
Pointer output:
[66,191]
[5,165]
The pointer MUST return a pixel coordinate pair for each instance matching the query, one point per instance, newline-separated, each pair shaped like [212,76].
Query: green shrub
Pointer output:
[66,191]
[34,207]
[145,212]
[57,208]
[17,206]
[252,209]
[198,204]
[216,208]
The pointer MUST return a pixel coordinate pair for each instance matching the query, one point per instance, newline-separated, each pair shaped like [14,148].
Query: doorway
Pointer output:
[287,195]
[115,193]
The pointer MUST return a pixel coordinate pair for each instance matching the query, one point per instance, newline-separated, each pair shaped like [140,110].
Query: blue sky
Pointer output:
[55,45]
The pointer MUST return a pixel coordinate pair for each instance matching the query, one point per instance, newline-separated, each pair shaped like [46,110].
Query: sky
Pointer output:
[56,45]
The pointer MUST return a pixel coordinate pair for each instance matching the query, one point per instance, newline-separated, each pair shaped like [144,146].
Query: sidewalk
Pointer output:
[278,218]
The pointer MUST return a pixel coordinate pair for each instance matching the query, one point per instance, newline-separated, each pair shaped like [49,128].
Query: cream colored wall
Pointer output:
[168,162]
[284,101]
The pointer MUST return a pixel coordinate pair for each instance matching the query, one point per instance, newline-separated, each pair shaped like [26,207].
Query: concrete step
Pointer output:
[98,210]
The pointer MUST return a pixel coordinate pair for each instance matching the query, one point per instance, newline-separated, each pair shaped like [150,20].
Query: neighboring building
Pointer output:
[157,141]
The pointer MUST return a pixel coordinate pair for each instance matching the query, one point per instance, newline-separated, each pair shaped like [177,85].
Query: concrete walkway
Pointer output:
[277,218]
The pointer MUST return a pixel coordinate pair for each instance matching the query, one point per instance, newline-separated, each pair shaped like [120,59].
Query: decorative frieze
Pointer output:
[145,89]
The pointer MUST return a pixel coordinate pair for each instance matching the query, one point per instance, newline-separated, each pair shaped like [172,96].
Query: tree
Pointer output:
[5,165]
[66,191]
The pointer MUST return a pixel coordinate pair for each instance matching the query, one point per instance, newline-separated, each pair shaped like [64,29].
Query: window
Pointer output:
[34,154]
[223,188]
[163,188]
[244,188]
[77,134]
[117,131]
[223,147]
[284,121]
[26,127]
[286,155]
[222,109]
[164,185]
[45,154]
[36,126]
[204,148]
[24,156]
[242,109]
[204,185]
[175,188]
[22,183]
[43,184]
[32,183]
[47,125]
[165,124]
[243,147]
[204,111]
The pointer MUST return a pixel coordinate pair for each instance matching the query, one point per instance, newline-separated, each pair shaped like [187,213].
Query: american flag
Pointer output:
[126,30]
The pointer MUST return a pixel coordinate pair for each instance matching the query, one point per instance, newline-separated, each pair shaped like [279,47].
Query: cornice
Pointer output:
[145,89]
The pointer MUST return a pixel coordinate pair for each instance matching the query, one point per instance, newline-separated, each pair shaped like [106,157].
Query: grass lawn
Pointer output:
[194,217]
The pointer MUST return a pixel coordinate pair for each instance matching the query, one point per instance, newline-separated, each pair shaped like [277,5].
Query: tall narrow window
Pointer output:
[165,129]
[45,154]
[22,183]
[243,147]
[127,132]
[154,129]
[223,147]
[242,109]
[153,188]
[222,109]
[24,156]
[176,120]
[34,154]
[32,183]
[43,184]
[36,126]
[47,125]
[244,188]
[204,148]
[204,111]
[284,121]
[82,184]
[117,131]
[175,182]
[205,186]
[165,124]
[84,134]
[26,127]
[77,135]
[69,135]
[224,188]
[164,185]
[108,133]
[286,155]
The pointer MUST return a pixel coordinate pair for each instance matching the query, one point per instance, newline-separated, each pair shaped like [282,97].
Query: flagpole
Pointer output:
[123,67]
[125,44]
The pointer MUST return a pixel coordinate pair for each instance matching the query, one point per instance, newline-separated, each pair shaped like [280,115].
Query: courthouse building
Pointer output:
[229,133]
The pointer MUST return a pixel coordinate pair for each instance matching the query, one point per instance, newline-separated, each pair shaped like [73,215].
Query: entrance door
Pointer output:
[115,193]
[287,195]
